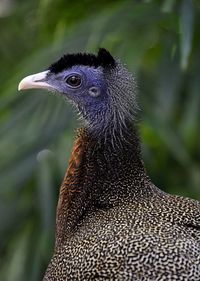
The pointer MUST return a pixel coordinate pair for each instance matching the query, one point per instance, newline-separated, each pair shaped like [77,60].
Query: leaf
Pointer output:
[186,31]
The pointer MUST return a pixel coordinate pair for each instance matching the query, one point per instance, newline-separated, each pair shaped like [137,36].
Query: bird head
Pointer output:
[99,86]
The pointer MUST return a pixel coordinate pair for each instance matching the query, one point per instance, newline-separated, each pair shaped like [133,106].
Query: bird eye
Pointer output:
[74,80]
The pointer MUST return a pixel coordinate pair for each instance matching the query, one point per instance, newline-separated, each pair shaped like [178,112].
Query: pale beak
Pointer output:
[35,81]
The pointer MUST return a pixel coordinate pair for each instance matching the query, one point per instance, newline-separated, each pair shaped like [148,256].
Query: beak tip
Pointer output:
[23,84]
[19,87]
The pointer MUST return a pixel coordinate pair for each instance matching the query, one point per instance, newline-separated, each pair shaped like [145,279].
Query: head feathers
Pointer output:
[103,59]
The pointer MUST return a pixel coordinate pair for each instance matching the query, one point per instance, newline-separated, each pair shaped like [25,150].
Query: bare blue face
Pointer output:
[83,85]
[101,88]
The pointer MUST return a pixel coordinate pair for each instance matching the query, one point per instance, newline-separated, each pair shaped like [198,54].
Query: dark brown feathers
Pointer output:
[103,58]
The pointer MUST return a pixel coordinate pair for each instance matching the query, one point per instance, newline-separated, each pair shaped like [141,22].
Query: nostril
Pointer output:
[94,91]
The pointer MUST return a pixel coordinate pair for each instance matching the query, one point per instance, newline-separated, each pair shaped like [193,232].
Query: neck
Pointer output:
[99,175]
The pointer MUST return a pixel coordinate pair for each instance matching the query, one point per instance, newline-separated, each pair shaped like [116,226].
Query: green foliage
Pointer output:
[158,40]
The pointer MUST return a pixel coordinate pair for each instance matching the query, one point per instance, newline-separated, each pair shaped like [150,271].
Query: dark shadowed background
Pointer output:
[158,40]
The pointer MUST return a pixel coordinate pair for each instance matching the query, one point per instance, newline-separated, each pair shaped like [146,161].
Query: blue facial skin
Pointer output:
[90,106]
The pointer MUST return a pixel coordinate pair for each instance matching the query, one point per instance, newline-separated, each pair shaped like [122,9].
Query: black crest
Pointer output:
[103,59]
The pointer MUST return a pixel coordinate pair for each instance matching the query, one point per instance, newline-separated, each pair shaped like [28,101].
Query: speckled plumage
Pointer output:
[124,228]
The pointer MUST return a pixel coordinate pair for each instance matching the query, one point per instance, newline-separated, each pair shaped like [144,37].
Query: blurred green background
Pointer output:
[158,40]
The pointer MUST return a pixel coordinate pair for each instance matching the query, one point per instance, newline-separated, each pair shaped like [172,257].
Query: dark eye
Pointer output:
[74,80]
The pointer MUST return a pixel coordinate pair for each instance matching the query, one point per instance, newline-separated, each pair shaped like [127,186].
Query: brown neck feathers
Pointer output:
[71,198]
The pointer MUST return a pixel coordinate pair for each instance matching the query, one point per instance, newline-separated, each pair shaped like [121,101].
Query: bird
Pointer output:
[112,222]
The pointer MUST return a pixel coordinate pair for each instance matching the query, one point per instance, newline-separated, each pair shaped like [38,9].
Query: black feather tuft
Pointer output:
[103,59]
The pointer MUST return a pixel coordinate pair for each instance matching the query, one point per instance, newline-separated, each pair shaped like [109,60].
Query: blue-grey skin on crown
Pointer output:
[112,222]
